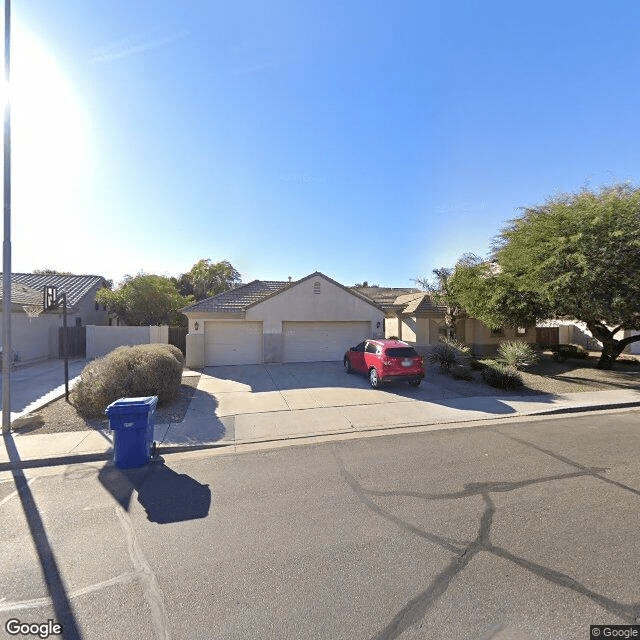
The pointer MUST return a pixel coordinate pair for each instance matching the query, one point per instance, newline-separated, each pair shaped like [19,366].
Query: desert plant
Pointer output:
[461,372]
[517,354]
[476,365]
[563,351]
[449,352]
[143,370]
[500,376]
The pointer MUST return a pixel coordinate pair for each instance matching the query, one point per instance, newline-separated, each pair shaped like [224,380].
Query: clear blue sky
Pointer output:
[367,140]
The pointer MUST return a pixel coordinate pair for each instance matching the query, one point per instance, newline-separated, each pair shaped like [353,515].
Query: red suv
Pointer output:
[384,361]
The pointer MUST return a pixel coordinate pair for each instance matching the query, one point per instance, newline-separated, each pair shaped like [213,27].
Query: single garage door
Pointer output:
[232,343]
[318,341]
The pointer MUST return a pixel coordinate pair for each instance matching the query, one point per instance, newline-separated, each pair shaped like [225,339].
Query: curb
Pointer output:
[65,459]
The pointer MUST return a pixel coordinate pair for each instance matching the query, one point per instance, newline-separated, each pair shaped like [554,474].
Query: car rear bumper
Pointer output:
[402,378]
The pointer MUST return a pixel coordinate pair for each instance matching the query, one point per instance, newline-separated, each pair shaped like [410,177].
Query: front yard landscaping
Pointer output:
[546,376]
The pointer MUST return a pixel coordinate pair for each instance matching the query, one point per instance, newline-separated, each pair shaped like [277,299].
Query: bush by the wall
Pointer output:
[449,352]
[142,370]
[561,351]
[461,372]
[502,377]
[517,354]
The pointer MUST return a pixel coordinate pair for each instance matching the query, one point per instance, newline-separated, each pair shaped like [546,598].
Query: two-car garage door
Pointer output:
[233,342]
[318,341]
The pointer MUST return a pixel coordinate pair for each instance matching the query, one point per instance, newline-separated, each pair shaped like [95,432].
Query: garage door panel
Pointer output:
[232,343]
[320,341]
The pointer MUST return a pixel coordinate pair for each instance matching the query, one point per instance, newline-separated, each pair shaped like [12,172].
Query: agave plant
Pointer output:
[517,354]
[449,352]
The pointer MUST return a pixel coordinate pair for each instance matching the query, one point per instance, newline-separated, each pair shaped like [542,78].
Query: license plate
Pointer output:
[407,363]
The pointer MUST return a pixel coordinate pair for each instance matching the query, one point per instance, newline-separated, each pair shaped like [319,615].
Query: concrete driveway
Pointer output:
[261,402]
[31,382]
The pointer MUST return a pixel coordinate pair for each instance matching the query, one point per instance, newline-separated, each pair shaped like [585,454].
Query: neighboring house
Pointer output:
[82,308]
[36,338]
[564,331]
[412,315]
[312,319]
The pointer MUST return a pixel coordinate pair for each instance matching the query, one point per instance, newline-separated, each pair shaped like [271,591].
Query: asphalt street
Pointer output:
[506,532]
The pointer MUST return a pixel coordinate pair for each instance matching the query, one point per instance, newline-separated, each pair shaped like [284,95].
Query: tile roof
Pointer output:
[407,301]
[384,297]
[22,294]
[239,299]
[76,287]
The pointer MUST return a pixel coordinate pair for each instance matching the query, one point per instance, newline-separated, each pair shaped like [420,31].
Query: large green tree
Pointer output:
[576,256]
[145,299]
[205,279]
[442,292]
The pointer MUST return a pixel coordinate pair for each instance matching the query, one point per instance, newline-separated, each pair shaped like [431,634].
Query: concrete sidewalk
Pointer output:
[35,384]
[203,427]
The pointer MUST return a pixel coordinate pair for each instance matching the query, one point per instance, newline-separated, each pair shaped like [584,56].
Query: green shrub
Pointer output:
[461,372]
[143,370]
[517,354]
[570,351]
[502,377]
[449,352]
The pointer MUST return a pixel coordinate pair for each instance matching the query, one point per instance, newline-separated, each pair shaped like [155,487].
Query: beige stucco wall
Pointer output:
[86,310]
[391,327]
[419,331]
[102,339]
[297,304]
[301,304]
[479,338]
[34,338]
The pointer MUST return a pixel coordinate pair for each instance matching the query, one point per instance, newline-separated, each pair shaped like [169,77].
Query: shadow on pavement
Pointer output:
[46,556]
[166,496]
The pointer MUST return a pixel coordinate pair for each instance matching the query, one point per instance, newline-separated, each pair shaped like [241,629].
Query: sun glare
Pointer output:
[48,146]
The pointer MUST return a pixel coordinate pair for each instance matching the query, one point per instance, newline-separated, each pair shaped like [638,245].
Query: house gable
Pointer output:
[314,298]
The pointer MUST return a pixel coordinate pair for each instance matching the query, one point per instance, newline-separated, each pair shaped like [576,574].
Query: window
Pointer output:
[372,347]
[78,322]
[316,287]
[402,352]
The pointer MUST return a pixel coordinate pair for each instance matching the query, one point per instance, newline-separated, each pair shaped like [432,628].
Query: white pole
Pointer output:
[6,243]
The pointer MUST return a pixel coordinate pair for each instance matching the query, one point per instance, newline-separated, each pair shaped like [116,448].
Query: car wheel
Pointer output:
[347,365]
[415,383]
[374,381]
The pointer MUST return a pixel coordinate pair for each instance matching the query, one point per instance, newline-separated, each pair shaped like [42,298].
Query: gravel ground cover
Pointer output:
[547,376]
[61,416]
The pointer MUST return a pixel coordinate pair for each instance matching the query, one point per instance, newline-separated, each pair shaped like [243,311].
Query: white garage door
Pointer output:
[318,341]
[232,343]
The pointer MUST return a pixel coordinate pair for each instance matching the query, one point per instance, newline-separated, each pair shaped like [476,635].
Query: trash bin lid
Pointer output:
[132,405]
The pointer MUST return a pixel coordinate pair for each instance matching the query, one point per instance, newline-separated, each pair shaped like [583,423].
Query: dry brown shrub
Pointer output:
[128,372]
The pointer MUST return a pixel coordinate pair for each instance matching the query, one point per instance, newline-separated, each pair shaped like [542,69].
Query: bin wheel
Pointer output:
[154,449]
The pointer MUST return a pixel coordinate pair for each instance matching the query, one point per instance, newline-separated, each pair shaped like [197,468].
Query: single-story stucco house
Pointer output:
[312,319]
[412,315]
[36,337]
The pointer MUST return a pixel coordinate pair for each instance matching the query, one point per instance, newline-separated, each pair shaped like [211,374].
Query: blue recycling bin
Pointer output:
[131,420]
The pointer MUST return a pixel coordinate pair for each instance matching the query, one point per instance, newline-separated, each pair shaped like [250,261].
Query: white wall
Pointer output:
[34,338]
[101,340]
